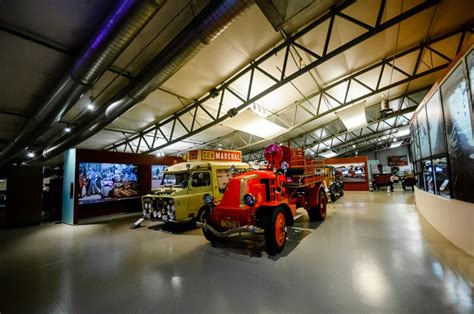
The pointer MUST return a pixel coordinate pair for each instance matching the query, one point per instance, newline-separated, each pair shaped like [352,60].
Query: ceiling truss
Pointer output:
[204,113]
[334,136]
[243,141]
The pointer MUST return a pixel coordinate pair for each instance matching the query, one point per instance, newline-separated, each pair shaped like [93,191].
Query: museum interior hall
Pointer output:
[237,156]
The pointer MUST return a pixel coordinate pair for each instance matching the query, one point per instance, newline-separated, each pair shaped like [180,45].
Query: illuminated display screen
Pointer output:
[105,181]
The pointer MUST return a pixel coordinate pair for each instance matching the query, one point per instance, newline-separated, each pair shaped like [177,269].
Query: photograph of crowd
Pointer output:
[103,181]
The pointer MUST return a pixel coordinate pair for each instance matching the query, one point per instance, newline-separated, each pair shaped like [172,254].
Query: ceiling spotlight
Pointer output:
[353,146]
[90,107]
[30,154]
[67,129]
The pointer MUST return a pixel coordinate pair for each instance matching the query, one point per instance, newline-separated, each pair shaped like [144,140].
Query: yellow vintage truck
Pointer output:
[184,184]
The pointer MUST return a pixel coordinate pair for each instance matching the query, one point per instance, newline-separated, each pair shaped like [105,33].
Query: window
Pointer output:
[201,179]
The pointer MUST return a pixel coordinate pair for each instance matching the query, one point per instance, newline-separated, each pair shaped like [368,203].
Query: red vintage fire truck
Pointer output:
[265,201]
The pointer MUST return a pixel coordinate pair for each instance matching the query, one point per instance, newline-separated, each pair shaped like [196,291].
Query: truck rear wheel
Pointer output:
[275,232]
[318,212]
[202,217]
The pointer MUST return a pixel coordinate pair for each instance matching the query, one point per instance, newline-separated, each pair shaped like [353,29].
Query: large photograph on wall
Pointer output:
[470,66]
[105,181]
[416,143]
[435,124]
[459,132]
[423,133]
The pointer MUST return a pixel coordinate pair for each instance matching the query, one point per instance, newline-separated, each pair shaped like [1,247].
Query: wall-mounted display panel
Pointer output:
[459,132]
[415,140]
[436,124]
[106,181]
[470,67]
[423,136]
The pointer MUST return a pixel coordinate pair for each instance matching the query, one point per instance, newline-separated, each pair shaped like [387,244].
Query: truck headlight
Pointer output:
[171,211]
[249,199]
[207,199]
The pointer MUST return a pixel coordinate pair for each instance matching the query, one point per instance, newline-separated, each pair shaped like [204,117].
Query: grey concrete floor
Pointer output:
[373,254]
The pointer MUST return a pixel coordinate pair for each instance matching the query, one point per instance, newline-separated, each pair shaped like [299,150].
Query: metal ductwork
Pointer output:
[121,27]
[206,26]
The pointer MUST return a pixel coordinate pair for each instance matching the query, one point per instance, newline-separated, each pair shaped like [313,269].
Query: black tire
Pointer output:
[318,213]
[275,232]
[202,217]
[341,194]
[333,197]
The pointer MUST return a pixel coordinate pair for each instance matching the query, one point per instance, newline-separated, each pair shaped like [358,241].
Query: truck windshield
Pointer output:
[176,179]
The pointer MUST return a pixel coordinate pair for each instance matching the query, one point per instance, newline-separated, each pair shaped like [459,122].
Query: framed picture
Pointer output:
[397,160]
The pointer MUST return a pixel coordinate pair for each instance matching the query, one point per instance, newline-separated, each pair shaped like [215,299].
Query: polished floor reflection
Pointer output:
[373,254]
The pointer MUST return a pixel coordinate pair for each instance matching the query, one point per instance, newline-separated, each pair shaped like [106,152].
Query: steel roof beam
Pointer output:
[279,81]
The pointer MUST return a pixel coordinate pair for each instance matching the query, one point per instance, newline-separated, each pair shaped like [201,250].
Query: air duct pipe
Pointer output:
[121,27]
[206,26]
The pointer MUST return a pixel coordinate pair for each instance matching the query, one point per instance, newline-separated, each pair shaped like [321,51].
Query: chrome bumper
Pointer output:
[227,233]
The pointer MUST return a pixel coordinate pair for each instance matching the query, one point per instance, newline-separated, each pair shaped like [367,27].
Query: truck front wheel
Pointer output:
[202,216]
[275,232]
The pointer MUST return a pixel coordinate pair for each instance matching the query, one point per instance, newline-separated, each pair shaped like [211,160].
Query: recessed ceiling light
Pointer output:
[30,154]
[67,129]
[90,107]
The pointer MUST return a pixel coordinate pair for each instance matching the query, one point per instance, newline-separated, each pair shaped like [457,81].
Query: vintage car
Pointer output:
[333,185]
[184,184]
[265,201]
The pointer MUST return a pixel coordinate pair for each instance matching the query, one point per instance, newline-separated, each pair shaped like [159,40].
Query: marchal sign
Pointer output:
[215,155]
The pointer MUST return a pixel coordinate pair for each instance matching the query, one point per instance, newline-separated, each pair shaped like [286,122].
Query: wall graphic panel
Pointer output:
[423,133]
[435,124]
[459,131]
[470,67]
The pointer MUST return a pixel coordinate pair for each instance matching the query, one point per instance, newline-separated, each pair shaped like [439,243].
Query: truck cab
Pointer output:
[184,184]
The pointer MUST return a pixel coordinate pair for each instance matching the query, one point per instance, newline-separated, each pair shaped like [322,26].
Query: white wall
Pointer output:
[452,218]
[382,155]
[398,151]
